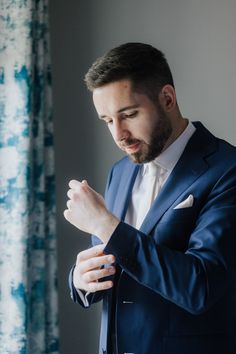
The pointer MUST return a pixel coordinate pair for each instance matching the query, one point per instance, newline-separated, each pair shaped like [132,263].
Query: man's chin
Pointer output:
[137,158]
[142,155]
[141,158]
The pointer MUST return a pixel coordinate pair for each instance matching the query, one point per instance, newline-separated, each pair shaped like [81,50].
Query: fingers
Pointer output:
[66,214]
[95,263]
[72,194]
[94,286]
[93,258]
[90,269]
[94,252]
[69,204]
[91,252]
[98,274]
[89,281]
[75,187]
[74,184]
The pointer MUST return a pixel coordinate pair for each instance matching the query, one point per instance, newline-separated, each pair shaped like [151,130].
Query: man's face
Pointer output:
[138,125]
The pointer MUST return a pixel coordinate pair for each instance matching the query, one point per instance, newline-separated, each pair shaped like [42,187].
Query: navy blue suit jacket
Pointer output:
[176,291]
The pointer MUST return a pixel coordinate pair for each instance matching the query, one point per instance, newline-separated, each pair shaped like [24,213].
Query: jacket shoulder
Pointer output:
[122,162]
[213,147]
[121,165]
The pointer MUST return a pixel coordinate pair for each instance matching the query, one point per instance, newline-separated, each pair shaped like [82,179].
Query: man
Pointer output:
[163,256]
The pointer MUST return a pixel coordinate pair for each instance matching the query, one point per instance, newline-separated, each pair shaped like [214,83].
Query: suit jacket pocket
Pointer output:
[182,215]
[175,230]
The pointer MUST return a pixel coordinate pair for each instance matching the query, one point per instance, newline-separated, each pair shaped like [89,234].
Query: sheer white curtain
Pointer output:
[28,283]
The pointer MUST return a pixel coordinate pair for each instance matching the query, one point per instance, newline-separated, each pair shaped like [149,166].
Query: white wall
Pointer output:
[199,40]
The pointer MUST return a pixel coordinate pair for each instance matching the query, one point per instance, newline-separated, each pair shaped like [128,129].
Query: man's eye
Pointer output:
[132,114]
[108,122]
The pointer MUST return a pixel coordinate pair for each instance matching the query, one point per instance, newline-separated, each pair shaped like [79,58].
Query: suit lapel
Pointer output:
[125,189]
[190,166]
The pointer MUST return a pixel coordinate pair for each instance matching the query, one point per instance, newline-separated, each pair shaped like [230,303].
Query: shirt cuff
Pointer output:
[83,297]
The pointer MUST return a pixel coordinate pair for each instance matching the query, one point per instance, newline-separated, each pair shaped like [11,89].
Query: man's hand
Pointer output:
[88,270]
[87,211]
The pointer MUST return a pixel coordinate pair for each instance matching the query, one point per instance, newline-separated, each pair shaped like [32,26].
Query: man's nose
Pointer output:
[120,131]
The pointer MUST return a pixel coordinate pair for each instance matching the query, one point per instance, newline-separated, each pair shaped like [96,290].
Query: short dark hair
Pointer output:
[145,66]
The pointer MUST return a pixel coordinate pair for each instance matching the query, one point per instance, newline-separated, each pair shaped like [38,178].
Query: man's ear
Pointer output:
[167,98]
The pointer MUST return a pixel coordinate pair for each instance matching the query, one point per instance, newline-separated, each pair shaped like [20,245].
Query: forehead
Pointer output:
[114,96]
[117,90]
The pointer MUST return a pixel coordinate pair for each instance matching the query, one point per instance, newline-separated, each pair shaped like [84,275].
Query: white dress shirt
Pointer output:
[152,177]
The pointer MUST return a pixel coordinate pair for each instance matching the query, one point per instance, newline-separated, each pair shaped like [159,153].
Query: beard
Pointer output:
[161,133]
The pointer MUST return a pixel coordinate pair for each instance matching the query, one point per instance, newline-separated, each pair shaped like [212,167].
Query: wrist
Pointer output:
[106,227]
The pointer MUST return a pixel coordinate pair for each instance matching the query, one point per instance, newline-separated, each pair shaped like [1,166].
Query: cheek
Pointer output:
[143,133]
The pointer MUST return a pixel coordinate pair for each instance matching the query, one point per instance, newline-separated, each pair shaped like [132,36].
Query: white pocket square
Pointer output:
[187,203]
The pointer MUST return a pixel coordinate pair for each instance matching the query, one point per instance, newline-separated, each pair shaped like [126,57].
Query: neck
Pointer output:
[178,129]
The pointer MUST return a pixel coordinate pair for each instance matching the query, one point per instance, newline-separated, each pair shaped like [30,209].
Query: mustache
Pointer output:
[127,142]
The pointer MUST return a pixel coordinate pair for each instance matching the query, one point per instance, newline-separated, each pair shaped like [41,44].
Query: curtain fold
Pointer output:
[28,258]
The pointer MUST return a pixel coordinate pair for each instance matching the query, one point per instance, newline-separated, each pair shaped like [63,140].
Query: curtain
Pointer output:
[28,262]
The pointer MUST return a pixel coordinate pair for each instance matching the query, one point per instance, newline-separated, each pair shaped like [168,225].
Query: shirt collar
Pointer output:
[169,157]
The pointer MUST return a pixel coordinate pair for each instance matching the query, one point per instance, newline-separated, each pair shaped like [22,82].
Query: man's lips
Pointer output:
[132,147]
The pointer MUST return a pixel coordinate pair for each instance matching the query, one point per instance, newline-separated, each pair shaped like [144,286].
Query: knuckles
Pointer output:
[89,277]
[73,195]
[92,287]
[88,271]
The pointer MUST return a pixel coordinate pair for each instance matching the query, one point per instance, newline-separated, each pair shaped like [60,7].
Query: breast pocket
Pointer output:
[182,215]
[175,228]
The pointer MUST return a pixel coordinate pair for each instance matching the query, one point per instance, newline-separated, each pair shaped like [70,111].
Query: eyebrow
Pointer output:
[122,110]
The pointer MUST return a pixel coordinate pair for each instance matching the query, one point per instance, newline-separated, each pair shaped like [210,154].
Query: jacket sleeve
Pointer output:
[194,279]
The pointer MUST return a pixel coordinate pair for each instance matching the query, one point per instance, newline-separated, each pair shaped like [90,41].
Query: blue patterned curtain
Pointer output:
[28,286]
